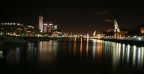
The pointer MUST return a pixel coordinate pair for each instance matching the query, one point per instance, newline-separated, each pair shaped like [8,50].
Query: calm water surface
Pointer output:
[71,56]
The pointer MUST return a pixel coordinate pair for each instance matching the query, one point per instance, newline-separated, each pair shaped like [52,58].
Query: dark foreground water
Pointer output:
[73,56]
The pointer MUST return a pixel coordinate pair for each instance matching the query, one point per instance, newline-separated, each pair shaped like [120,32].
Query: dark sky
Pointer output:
[79,17]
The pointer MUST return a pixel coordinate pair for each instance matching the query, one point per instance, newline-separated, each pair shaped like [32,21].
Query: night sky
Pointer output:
[78,17]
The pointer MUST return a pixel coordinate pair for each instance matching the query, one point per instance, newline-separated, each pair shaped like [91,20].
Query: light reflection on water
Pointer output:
[94,49]
[13,56]
[47,52]
[31,52]
[99,48]
[1,54]
[87,47]
[74,46]
[121,53]
[81,47]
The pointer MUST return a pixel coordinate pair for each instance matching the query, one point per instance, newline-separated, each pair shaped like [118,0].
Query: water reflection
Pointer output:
[47,51]
[87,47]
[1,54]
[44,52]
[134,55]
[115,55]
[99,48]
[142,56]
[94,49]
[127,53]
[13,56]
[139,57]
[121,53]
[32,51]
[108,48]
[81,47]
[74,46]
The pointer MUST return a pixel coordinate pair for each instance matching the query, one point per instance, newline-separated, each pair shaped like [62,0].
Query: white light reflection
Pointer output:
[139,56]
[94,49]
[116,54]
[114,57]
[128,52]
[123,52]
[106,48]
[119,52]
[134,55]
[110,46]
[142,56]
[87,47]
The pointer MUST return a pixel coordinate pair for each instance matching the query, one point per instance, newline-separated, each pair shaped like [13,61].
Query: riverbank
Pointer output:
[24,39]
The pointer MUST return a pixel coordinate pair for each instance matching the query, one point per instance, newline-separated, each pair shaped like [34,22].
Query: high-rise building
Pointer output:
[40,23]
[50,27]
[45,28]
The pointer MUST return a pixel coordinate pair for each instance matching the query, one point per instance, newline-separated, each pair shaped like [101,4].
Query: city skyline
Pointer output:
[79,18]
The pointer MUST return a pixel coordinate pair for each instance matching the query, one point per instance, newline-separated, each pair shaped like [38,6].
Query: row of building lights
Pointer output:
[11,24]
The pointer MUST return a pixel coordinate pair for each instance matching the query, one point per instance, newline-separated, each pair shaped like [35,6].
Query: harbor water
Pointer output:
[70,56]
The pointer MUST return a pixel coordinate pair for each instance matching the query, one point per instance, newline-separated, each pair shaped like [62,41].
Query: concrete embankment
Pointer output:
[131,42]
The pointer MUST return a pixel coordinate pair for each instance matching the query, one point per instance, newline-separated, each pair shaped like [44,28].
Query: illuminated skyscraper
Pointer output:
[41,23]
[45,28]
[50,27]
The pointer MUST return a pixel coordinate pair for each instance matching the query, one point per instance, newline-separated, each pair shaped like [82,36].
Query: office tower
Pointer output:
[40,23]
[50,27]
[45,28]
